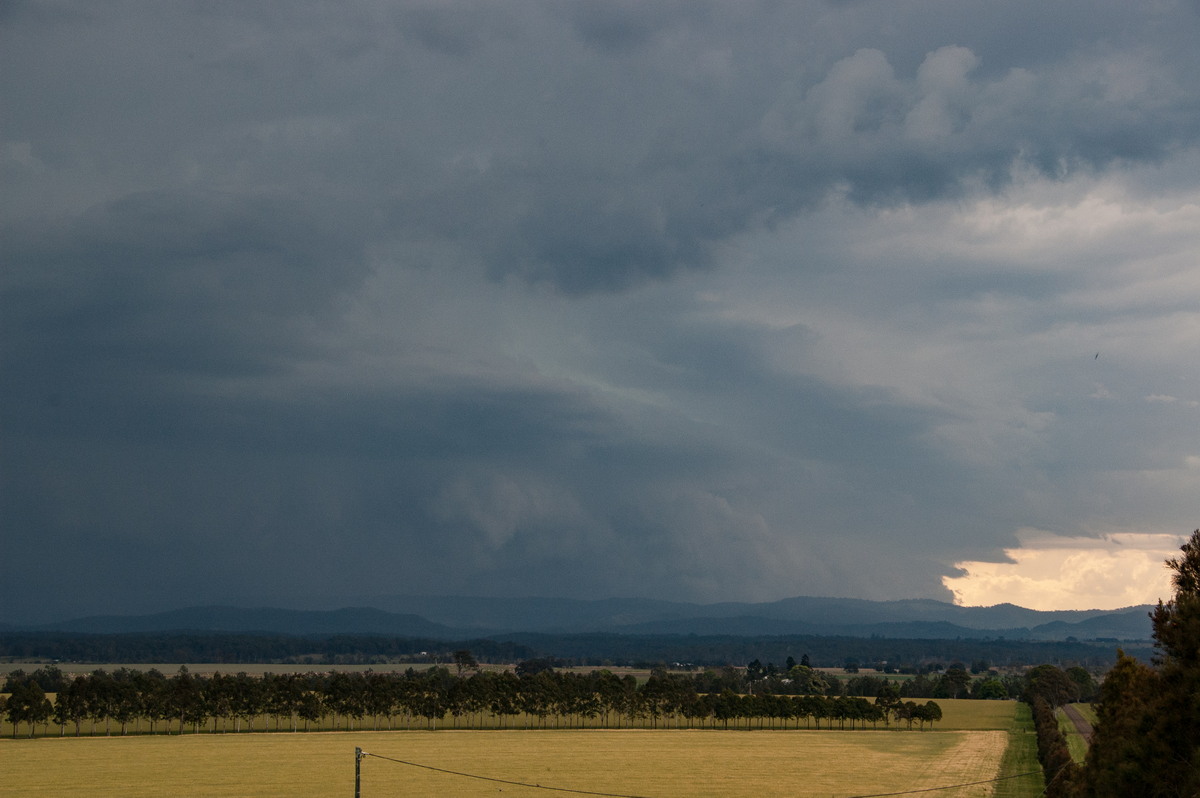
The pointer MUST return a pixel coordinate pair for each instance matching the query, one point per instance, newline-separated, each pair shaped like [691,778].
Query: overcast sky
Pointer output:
[709,301]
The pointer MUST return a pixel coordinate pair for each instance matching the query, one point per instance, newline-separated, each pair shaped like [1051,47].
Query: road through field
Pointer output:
[654,764]
[1081,723]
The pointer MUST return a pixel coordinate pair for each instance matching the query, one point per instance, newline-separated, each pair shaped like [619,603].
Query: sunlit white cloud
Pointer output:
[1054,573]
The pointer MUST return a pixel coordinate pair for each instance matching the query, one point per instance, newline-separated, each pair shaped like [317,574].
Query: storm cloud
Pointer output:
[709,301]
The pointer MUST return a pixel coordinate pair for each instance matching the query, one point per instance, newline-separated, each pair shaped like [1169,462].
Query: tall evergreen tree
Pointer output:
[1114,764]
[1147,741]
[1174,730]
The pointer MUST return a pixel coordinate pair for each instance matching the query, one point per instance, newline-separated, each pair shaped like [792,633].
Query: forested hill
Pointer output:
[446,618]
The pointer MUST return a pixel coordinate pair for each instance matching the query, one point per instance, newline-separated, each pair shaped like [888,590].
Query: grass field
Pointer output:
[977,740]
[1088,711]
[1020,757]
[634,762]
[967,715]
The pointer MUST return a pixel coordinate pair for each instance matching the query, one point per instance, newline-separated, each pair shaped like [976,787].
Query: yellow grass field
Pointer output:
[632,762]
[961,714]
[1021,757]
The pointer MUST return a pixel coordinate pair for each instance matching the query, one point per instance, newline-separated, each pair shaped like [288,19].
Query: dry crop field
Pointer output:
[656,764]
[631,762]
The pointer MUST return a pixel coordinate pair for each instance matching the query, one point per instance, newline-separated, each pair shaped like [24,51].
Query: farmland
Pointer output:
[631,762]
[973,744]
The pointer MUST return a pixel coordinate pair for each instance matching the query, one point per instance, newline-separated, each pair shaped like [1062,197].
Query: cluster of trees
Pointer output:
[1147,738]
[536,697]
[1058,687]
[1046,688]
[1146,742]
[955,681]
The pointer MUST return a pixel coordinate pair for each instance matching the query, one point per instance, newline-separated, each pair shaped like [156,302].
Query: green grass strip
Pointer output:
[1020,757]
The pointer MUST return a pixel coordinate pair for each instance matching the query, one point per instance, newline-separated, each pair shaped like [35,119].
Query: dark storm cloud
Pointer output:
[508,297]
[598,145]
[157,285]
[633,162]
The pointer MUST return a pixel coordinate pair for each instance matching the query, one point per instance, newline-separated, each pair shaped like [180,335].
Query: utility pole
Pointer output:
[358,758]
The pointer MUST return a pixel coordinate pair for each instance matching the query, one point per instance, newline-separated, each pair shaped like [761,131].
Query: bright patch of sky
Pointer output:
[1053,573]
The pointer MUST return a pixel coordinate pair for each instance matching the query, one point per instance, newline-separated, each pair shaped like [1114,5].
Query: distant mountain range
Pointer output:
[799,615]
[458,617]
[348,621]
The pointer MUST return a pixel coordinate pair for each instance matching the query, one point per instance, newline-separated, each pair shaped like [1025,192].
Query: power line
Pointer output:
[502,781]
[947,787]
[624,795]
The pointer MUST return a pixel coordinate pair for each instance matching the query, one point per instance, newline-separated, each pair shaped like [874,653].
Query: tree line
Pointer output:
[1146,742]
[954,681]
[721,695]
[891,655]
[1058,768]
[531,697]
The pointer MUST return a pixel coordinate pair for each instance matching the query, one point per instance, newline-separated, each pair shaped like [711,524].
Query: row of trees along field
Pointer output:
[536,697]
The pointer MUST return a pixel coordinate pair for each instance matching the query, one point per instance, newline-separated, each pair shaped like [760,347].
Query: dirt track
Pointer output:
[1081,723]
